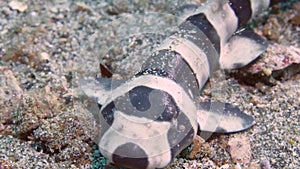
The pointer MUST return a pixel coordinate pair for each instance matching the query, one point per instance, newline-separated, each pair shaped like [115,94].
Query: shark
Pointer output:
[146,121]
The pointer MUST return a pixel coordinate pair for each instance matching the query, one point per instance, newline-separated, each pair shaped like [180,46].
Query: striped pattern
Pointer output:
[192,54]
[176,68]
[242,9]
[181,98]
[152,117]
[177,134]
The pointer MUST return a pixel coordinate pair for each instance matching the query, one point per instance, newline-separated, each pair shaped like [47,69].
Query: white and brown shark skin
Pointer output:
[149,119]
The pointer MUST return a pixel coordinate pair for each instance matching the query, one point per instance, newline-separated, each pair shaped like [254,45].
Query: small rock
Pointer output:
[10,95]
[19,6]
[120,6]
[198,145]
[44,56]
[240,149]
[4,164]
[296,19]
[63,40]
[267,71]
[278,63]
[225,166]
[82,6]
[34,106]
[254,165]
[66,137]
[272,28]
[265,164]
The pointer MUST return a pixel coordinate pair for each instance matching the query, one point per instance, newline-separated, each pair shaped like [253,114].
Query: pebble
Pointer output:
[225,166]
[44,56]
[296,18]
[19,6]
[240,149]
[82,6]
[10,95]
[265,164]
[279,62]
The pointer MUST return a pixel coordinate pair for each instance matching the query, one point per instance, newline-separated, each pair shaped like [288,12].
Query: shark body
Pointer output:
[148,120]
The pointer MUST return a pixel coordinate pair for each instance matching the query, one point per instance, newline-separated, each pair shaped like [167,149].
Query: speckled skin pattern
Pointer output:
[152,106]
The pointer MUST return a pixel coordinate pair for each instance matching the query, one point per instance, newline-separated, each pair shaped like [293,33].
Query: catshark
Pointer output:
[147,120]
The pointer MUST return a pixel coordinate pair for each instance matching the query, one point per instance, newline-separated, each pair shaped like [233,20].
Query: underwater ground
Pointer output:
[47,46]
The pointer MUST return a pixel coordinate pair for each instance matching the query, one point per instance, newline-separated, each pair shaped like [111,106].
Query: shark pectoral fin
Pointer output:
[96,91]
[93,93]
[218,117]
[241,49]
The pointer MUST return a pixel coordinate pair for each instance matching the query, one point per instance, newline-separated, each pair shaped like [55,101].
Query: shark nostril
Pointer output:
[130,155]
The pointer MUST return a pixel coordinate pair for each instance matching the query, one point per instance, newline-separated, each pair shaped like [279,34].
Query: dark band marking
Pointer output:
[179,96]
[238,120]
[242,9]
[139,98]
[181,135]
[170,64]
[108,113]
[138,102]
[193,28]
[203,24]
[156,72]
[134,156]
[253,36]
